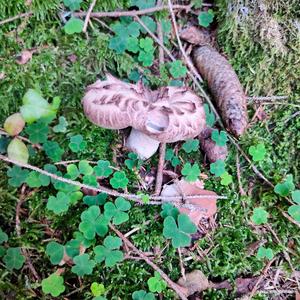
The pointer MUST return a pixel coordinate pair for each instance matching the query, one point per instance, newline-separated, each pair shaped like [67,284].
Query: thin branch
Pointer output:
[289,218]
[30,13]
[182,270]
[102,189]
[238,172]
[266,98]
[170,283]
[88,16]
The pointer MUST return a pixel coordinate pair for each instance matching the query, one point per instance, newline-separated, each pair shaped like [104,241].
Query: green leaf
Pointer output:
[149,22]
[144,197]
[73,4]
[176,82]
[169,210]
[258,152]
[54,285]
[206,18]
[190,146]
[264,253]
[74,197]
[226,178]
[175,161]
[197,3]
[133,29]
[260,216]
[166,26]
[169,154]
[117,211]
[119,180]
[177,69]
[118,43]
[210,116]
[190,172]
[18,151]
[132,45]
[92,222]
[133,161]
[61,126]
[97,289]
[35,179]
[283,189]
[156,283]
[83,241]
[74,25]
[85,168]
[4,141]
[220,138]
[36,107]
[13,258]
[73,171]
[38,132]
[72,248]
[180,234]
[77,144]
[143,4]
[103,168]
[90,180]
[58,204]
[100,199]
[14,124]
[56,252]
[142,295]
[108,252]
[83,265]
[296,196]
[217,168]
[146,58]
[53,150]
[2,251]
[3,237]
[294,212]
[17,176]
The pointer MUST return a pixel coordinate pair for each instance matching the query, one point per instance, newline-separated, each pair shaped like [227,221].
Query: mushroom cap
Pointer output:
[169,114]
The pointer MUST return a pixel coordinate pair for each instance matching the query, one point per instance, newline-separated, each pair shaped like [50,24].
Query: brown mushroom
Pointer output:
[169,114]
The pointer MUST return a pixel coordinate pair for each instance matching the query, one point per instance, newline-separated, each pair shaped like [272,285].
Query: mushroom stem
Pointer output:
[140,143]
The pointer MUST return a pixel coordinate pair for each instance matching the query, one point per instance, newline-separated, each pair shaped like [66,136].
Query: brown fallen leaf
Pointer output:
[197,208]
[24,57]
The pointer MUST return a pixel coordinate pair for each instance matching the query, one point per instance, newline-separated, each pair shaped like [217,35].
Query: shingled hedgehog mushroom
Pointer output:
[169,114]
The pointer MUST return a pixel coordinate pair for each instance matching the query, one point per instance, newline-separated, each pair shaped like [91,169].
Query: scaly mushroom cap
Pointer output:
[169,114]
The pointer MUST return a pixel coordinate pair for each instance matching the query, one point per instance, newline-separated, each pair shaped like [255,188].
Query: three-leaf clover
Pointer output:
[142,295]
[117,211]
[132,44]
[146,44]
[217,168]
[226,178]
[169,210]
[58,204]
[99,199]
[258,152]
[77,143]
[260,216]
[156,283]
[83,265]
[264,253]
[190,146]
[175,161]
[74,25]
[283,189]
[93,222]
[38,132]
[177,69]
[205,18]
[119,180]
[109,251]
[13,258]
[35,179]
[85,168]
[150,24]
[220,138]
[97,289]
[17,176]
[56,252]
[190,172]
[61,126]
[53,150]
[54,285]
[180,232]
[133,161]
[146,58]
[73,171]
[103,168]
[143,4]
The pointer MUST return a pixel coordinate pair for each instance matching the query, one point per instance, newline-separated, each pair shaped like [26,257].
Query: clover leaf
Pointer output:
[294,212]
[93,222]
[35,179]
[54,285]
[61,126]
[53,150]
[226,178]
[73,247]
[190,146]
[144,197]
[205,18]
[56,252]
[142,295]
[117,211]
[260,216]
[210,116]
[217,168]
[103,168]
[296,196]
[100,199]
[58,204]
[146,58]
[283,189]
[17,176]
[169,210]
[143,4]
[156,283]
[85,168]
[90,180]
[190,172]
[38,132]
[118,43]
[13,258]
[74,25]
[77,144]
[179,232]
[220,138]
[73,171]
[108,252]
[264,253]
[133,161]
[119,180]
[83,241]
[146,44]
[177,69]
[97,289]
[73,4]
[132,44]
[150,24]
[3,236]
[258,152]
[83,265]
[175,161]
[17,150]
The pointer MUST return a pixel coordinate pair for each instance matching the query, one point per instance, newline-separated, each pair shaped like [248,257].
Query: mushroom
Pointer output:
[168,115]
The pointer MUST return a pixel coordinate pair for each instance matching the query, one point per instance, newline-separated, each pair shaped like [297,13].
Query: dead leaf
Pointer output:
[194,282]
[195,208]
[24,57]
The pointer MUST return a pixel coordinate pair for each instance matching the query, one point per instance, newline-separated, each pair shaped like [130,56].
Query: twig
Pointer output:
[266,98]
[19,16]
[182,270]
[170,283]
[238,172]
[131,13]
[102,189]
[289,218]
[88,16]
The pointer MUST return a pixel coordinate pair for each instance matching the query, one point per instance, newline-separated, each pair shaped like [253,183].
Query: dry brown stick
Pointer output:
[88,16]
[266,98]
[170,283]
[289,218]
[19,16]
[182,270]
[102,189]
[238,172]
